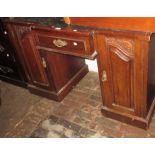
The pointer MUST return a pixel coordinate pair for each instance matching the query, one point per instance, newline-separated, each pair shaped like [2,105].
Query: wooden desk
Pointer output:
[125,49]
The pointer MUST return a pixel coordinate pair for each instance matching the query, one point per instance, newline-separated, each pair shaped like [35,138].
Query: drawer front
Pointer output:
[66,44]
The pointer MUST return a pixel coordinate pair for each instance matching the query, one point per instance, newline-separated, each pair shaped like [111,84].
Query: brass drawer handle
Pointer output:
[59,43]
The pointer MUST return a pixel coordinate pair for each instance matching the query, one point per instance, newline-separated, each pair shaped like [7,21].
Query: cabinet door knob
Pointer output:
[59,43]
[104,76]
[44,62]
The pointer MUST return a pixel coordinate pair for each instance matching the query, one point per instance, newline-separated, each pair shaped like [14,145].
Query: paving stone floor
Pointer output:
[26,115]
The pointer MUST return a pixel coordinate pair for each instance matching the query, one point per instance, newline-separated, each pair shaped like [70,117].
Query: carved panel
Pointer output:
[124,44]
[120,56]
[22,31]
[121,70]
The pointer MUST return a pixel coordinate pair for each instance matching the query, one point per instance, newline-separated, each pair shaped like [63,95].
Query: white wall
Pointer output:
[92,64]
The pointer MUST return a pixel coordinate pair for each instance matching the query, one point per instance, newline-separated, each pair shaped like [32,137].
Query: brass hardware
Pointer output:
[44,62]
[59,43]
[104,76]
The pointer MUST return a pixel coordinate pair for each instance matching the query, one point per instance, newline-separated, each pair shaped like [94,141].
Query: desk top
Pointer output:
[44,21]
[146,24]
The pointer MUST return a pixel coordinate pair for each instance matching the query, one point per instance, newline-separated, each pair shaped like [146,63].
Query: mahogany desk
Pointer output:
[53,59]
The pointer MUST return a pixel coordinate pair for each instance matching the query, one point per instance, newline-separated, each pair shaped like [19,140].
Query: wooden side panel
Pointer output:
[14,39]
[151,73]
[103,66]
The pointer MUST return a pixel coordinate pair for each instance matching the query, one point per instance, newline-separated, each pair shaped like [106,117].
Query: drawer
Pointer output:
[66,42]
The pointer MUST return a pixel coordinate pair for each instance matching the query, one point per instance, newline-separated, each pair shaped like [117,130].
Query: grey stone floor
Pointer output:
[23,114]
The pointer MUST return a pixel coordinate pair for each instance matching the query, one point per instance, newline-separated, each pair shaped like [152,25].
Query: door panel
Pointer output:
[116,66]
[121,69]
[61,68]
[35,63]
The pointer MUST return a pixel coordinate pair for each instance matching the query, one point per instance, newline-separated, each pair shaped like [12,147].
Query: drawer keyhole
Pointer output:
[75,43]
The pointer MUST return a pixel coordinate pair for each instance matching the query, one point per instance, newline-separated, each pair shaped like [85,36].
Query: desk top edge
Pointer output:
[145,24]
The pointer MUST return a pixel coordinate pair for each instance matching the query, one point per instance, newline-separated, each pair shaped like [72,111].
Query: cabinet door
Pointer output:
[61,68]
[36,64]
[120,67]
